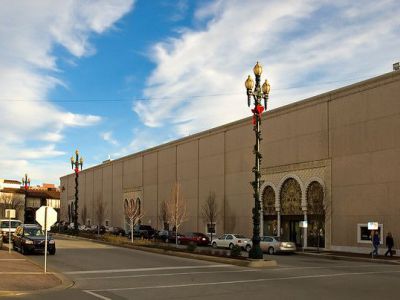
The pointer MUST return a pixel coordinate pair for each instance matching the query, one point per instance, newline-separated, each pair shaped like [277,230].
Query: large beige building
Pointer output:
[332,159]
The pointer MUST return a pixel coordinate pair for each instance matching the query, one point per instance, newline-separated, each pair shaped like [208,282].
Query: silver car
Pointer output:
[273,244]
[230,239]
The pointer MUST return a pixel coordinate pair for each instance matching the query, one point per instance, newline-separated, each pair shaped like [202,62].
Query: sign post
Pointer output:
[46,216]
[10,214]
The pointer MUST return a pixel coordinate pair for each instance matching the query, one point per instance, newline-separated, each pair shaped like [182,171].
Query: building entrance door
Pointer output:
[291,230]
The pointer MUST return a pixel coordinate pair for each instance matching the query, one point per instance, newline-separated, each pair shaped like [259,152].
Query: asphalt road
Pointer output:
[105,272]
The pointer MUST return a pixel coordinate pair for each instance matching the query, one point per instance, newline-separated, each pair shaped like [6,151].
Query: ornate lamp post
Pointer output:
[76,163]
[258,94]
[26,182]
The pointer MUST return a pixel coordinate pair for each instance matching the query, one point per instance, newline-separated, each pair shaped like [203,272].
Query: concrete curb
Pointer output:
[225,260]
[65,283]
[350,258]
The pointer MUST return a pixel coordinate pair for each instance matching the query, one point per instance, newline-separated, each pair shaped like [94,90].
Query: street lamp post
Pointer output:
[259,93]
[76,163]
[26,182]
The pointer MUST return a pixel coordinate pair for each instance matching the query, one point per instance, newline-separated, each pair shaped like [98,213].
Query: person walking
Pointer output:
[389,244]
[375,243]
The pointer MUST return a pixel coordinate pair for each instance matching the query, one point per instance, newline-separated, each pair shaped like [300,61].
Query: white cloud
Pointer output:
[29,32]
[300,43]
[107,136]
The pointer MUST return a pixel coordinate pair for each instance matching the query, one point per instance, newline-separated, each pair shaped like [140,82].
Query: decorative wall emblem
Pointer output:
[290,197]
[269,201]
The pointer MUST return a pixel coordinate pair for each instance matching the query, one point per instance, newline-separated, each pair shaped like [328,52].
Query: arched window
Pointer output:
[290,197]
[269,201]
[316,215]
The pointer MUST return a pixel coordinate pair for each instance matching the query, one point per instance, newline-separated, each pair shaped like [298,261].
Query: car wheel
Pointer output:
[248,248]
[271,250]
[214,245]
[231,246]
[52,252]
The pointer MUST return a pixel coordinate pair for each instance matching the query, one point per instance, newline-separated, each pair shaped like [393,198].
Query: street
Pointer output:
[104,272]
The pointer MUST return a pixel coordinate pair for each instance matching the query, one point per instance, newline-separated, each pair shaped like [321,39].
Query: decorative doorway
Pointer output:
[291,213]
[316,215]
[270,218]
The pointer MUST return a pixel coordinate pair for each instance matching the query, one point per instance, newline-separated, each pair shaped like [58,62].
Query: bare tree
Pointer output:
[164,215]
[10,201]
[210,212]
[132,213]
[176,208]
[100,214]
[84,215]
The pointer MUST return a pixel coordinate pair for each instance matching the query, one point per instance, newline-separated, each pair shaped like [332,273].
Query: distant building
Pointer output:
[26,202]
[332,159]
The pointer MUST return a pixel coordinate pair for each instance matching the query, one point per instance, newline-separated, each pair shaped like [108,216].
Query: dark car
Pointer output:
[197,238]
[29,238]
[116,231]
[143,231]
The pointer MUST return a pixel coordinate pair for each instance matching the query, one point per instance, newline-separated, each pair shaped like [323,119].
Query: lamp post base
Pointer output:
[256,253]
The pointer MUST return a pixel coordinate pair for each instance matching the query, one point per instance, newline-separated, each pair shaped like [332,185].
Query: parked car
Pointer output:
[230,239]
[116,231]
[197,238]
[143,231]
[5,228]
[31,238]
[273,244]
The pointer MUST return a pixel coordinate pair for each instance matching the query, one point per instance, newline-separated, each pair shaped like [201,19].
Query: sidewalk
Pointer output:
[20,275]
[351,256]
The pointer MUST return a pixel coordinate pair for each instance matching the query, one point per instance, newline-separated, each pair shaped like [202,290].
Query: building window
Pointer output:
[364,234]
[107,223]
[88,222]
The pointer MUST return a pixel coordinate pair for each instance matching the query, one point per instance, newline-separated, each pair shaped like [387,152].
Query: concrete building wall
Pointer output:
[346,140]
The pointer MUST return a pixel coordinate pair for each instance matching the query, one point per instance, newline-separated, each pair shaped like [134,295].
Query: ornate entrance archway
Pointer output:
[316,215]
[270,217]
[291,212]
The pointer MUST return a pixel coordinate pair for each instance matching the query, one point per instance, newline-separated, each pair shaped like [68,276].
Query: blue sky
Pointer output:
[113,77]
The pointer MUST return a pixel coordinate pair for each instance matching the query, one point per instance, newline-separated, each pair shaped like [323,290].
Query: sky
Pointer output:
[114,77]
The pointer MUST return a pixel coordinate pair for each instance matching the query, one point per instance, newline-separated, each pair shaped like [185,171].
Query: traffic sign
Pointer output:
[10,213]
[46,216]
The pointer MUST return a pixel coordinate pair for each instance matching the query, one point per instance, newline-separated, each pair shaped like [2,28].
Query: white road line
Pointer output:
[148,269]
[24,273]
[331,267]
[240,281]
[167,274]
[97,295]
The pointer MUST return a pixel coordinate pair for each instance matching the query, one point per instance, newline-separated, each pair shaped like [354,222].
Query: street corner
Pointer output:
[21,276]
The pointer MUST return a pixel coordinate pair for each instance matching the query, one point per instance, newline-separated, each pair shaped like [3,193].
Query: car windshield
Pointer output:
[33,232]
[6,224]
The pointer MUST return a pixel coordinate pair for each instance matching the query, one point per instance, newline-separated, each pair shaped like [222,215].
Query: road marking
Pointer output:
[94,292]
[24,273]
[97,295]
[146,269]
[155,275]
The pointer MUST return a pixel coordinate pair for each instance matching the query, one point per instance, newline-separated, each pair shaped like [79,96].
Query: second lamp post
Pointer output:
[76,163]
[258,94]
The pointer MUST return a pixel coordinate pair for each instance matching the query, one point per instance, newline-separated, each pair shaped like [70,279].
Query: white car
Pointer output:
[5,228]
[228,240]
[273,244]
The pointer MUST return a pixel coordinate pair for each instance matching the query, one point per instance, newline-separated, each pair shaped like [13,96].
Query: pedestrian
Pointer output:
[375,243]
[389,244]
